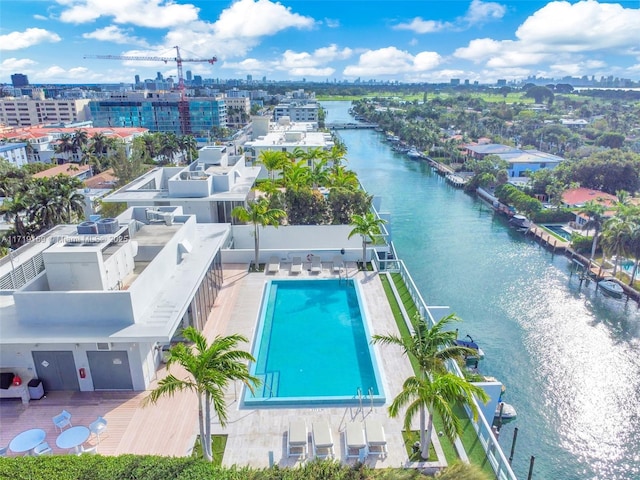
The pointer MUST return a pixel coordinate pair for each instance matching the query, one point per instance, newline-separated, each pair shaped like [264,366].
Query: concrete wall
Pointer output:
[286,242]
[19,356]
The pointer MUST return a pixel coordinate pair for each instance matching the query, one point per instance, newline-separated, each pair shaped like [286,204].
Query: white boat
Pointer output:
[611,288]
[508,411]
[414,153]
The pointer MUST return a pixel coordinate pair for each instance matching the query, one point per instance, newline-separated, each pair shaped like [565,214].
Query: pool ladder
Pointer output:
[361,399]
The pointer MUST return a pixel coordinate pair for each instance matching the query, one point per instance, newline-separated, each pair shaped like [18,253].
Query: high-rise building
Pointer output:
[137,77]
[197,80]
[159,76]
[19,80]
[189,76]
[249,78]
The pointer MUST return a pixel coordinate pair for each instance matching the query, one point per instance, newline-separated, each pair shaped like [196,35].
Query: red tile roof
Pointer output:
[580,196]
[105,179]
[70,169]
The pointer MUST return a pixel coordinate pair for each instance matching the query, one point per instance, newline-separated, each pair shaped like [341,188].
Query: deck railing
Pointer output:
[493,451]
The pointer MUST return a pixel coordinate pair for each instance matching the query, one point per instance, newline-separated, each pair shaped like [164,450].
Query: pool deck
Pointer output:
[257,437]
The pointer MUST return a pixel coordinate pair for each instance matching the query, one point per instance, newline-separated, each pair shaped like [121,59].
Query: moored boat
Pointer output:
[611,288]
[508,411]
[414,153]
[520,221]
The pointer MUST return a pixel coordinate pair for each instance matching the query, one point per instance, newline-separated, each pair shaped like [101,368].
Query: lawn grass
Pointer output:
[553,234]
[469,438]
[410,438]
[218,444]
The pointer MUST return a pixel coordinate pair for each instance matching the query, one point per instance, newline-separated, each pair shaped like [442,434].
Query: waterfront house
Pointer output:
[90,306]
[577,197]
[520,161]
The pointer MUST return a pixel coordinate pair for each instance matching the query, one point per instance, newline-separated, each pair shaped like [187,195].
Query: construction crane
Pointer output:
[183,106]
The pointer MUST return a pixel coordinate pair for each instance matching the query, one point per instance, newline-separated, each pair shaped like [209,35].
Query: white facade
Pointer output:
[24,112]
[104,303]
[208,188]
[284,136]
[297,111]
[14,153]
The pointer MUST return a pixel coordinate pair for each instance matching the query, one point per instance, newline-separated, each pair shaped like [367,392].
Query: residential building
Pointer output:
[81,172]
[520,161]
[238,110]
[209,188]
[91,306]
[42,140]
[24,112]
[160,112]
[14,153]
[297,111]
[578,197]
[284,136]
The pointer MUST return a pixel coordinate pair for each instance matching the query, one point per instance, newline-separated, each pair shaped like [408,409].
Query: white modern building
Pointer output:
[91,306]
[209,188]
[14,153]
[285,136]
[297,111]
[520,161]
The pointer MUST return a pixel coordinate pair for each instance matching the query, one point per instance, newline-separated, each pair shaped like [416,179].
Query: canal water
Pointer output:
[568,355]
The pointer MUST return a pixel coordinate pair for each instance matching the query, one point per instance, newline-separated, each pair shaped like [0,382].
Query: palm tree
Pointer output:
[80,140]
[297,175]
[210,368]
[437,392]
[258,213]
[595,212]
[616,233]
[64,145]
[432,388]
[368,227]
[319,174]
[340,177]
[430,347]
[272,160]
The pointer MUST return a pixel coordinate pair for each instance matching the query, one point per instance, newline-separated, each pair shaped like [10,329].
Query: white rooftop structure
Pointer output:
[209,188]
[285,136]
[104,296]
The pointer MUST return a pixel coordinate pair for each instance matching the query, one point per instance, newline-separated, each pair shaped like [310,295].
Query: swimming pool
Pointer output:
[559,230]
[312,346]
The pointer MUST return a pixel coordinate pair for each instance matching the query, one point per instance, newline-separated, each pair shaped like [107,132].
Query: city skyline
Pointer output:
[406,41]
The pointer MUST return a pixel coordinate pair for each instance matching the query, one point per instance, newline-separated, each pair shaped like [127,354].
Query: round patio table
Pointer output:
[27,440]
[73,437]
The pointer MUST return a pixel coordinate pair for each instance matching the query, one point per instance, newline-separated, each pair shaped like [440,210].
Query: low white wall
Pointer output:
[290,241]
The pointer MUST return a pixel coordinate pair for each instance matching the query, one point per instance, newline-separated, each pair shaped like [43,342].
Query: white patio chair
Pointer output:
[63,419]
[98,426]
[42,449]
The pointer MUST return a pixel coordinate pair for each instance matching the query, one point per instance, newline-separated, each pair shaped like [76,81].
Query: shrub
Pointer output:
[560,215]
[581,243]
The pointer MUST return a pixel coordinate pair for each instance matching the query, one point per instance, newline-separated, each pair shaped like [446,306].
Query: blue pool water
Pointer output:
[312,346]
[559,230]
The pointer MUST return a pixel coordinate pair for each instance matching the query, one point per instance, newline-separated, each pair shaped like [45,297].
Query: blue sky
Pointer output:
[408,41]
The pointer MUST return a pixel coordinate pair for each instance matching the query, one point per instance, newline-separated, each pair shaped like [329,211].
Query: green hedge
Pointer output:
[129,467]
[580,243]
[561,215]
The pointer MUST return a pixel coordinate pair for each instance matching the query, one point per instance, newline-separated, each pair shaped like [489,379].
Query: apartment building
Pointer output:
[24,112]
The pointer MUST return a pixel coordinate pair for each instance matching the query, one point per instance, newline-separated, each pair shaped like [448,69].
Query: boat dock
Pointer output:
[350,126]
[548,240]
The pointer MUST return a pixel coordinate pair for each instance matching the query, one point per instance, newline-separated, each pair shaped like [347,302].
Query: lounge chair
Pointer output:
[297,440]
[354,440]
[274,265]
[316,264]
[322,440]
[337,263]
[296,265]
[376,440]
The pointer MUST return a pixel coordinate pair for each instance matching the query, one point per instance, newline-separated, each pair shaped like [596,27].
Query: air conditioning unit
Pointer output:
[103,346]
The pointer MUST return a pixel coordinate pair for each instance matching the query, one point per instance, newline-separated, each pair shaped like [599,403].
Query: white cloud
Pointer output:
[144,13]
[418,25]
[391,61]
[313,64]
[332,23]
[311,72]
[40,17]
[28,38]
[480,49]
[257,18]
[481,12]
[249,65]
[115,34]
[12,65]
[583,26]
